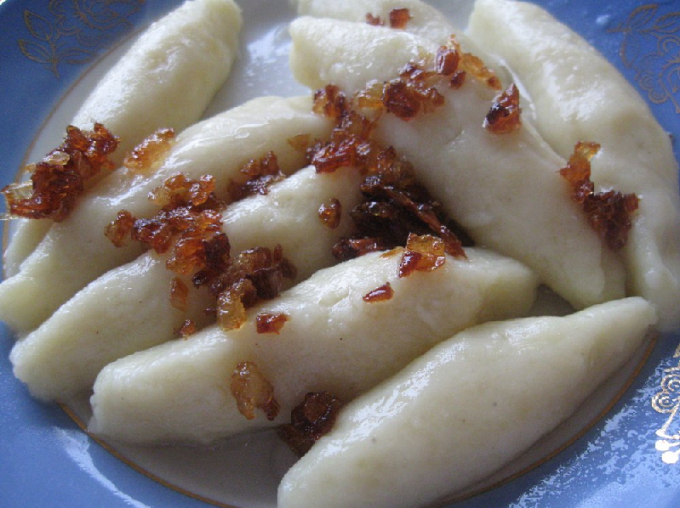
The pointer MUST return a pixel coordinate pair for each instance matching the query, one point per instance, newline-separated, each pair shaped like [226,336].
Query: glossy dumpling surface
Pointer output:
[465,408]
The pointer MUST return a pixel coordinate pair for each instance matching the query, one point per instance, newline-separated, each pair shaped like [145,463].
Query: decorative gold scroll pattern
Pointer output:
[657,72]
[667,401]
[74,31]
[651,48]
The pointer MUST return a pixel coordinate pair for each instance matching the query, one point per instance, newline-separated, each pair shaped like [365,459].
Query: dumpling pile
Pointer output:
[358,268]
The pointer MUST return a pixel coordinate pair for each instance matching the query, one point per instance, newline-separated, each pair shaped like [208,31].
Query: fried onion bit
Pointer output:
[380,294]
[609,213]
[309,421]
[399,18]
[271,323]
[59,179]
[394,203]
[505,114]
[261,174]
[423,254]
[252,391]
[330,213]
[150,151]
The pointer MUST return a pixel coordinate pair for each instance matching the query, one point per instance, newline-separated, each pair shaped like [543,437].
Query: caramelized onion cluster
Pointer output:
[609,213]
[189,226]
[310,420]
[260,173]
[394,203]
[59,179]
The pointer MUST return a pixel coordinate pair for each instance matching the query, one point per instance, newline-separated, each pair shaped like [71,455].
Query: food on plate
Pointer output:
[182,59]
[464,408]
[586,99]
[505,190]
[75,251]
[422,19]
[129,308]
[359,264]
[333,341]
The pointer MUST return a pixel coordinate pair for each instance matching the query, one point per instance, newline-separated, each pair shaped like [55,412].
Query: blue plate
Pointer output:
[628,458]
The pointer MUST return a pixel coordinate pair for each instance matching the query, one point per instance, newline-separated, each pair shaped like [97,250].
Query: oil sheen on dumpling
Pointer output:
[128,309]
[181,59]
[75,251]
[583,98]
[504,189]
[334,341]
[465,408]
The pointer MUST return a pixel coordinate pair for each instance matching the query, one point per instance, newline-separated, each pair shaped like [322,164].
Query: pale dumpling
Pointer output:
[504,189]
[424,20]
[333,341]
[75,251]
[584,98]
[128,309]
[465,408]
[181,59]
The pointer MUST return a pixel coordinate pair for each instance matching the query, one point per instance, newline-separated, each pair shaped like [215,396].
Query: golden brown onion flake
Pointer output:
[189,221]
[609,213]
[394,203]
[179,294]
[505,114]
[414,91]
[398,18]
[189,227]
[60,178]
[252,391]
[310,420]
[261,174]
[271,323]
[146,156]
[423,253]
[474,66]
[330,213]
[252,276]
[380,294]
